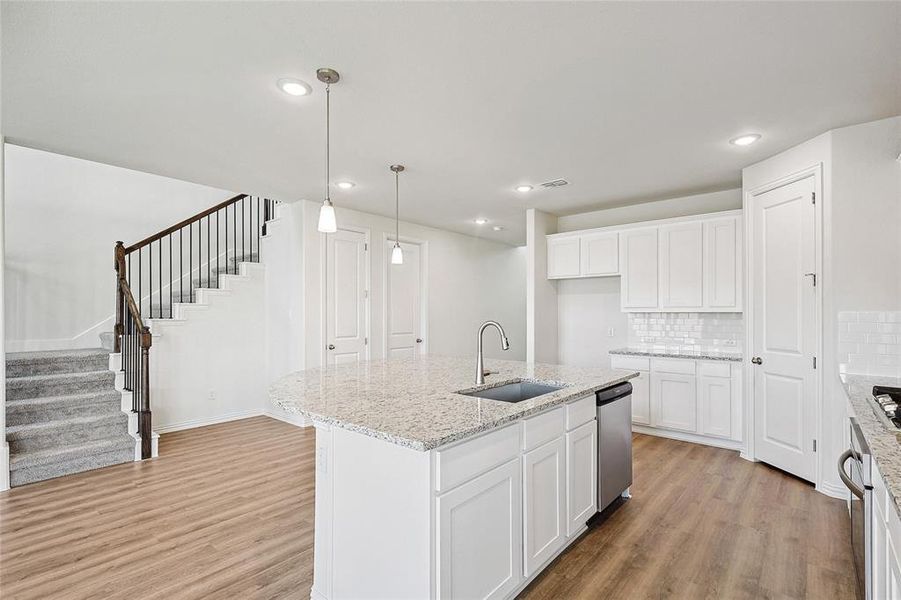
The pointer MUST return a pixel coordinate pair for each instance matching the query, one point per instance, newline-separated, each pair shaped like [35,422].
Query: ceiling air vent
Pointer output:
[554,183]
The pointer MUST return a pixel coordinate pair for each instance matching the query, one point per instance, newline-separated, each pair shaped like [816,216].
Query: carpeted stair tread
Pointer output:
[64,432]
[31,467]
[14,432]
[58,454]
[49,408]
[58,384]
[24,364]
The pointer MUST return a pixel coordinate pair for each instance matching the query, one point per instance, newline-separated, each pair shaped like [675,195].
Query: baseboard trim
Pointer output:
[290,418]
[688,437]
[297,420]
[194,423]
[833,491]
[4,467]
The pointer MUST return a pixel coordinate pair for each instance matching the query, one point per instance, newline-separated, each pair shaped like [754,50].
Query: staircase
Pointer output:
[63,415]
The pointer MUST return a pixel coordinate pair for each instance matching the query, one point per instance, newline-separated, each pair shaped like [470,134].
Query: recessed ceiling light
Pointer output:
[345,185]
[524,188]
[294,87]
[498,228]
[481,221]
[745,140]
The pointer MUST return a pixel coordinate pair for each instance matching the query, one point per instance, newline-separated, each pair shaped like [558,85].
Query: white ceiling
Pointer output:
[628,101]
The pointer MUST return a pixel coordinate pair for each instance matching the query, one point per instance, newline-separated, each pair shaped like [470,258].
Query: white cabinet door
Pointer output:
[682,266]
[480,536]
[722,264]
[563,257]
[880,574]
[893,554]
[715,406]
[638,267]
[641,398]
[674,401]
[600,254]
[544,503]
[581,475]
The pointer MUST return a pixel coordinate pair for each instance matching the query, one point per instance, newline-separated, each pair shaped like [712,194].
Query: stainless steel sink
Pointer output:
[514,392]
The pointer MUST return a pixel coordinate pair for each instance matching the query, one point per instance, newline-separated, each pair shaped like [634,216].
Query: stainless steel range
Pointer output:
[888,401]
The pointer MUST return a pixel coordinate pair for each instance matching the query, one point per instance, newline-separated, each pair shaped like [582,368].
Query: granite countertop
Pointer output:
[884,442]
[680,352]
[412,402]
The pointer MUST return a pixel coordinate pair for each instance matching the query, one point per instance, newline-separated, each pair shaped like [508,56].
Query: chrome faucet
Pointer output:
[505,344]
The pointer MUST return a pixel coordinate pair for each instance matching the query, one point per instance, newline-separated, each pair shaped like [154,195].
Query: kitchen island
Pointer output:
[424,492]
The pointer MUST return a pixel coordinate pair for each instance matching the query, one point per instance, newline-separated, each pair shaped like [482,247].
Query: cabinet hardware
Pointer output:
[814,275]
[757,360]
[814,445]
[813,197]
[814,362]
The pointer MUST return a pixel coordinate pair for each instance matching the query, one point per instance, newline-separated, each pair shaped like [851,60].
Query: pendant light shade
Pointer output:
[327,221]
[397,254]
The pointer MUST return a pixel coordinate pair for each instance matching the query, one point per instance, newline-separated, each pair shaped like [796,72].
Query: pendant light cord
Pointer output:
[327,138]
[396,207]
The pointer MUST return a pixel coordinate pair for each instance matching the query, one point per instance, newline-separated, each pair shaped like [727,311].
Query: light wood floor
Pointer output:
[227,512]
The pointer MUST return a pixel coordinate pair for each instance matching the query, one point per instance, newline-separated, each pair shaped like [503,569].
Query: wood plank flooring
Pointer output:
[227,512]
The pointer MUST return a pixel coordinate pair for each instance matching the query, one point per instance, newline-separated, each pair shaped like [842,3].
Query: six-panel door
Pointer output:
[480,535]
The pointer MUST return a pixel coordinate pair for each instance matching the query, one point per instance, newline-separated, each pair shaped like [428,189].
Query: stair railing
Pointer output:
[172,264]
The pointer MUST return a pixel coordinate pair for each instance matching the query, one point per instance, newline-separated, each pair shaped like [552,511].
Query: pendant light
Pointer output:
[327,222]
[397,254]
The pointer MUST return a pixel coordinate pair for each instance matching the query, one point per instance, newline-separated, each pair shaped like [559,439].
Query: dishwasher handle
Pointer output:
[843,475]
[612,393]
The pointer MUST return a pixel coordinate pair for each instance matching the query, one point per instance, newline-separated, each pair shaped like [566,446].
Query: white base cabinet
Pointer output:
[478,518]
[688,399]
[886,537]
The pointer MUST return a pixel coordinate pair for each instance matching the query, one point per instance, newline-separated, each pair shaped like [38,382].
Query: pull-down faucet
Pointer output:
[505,344]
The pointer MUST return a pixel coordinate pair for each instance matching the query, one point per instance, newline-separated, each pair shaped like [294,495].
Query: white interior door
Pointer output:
[784,329]
[347,307]
[403,307]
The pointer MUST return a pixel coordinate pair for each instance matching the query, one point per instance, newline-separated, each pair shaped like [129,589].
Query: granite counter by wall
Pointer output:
[413,402]
[884,442]
[679,352]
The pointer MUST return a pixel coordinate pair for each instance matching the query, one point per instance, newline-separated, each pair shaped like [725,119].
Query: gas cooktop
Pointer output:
[888,399]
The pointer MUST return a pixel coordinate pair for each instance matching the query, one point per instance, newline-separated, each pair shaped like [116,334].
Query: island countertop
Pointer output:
[414,402]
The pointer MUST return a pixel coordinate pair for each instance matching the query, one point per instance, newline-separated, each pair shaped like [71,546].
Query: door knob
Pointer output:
[331,346]
[757,360]
[418,340]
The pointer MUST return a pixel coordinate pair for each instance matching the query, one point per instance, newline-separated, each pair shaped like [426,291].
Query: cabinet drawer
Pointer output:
[464,461]
[714,369]
[543,428]
[580,412]
[632,363]
[673,365]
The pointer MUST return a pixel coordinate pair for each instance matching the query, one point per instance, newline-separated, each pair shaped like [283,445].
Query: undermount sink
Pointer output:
[514,392]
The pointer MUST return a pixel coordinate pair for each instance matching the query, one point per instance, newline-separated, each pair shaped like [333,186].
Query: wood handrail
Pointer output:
[185,223]
[132,306]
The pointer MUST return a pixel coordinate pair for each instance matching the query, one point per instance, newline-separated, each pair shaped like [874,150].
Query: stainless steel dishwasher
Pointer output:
[614,406]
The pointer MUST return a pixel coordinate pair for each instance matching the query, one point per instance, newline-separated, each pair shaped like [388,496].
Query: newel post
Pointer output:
[145,425]
[119,329]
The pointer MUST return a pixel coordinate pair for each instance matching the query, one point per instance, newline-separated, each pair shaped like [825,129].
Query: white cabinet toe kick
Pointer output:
[478,518]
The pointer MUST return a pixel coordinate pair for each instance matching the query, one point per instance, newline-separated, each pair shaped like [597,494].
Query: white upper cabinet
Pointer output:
[600,254]
[638,264]
[682,266]
[563,257]
[686,264]
[722,264]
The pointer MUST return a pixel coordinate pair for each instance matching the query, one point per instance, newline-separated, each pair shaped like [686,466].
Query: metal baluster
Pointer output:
[235,237]
[140,281]
[181,267]
[208,261]
[258,228]
[191,261]
[170,275]
[218,272]
[243,227]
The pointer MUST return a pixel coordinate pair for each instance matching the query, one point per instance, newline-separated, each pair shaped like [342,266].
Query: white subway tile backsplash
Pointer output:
[690,330]
[869,342]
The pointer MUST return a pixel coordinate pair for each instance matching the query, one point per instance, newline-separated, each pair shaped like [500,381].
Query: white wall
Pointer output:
[4,447]
[541,292]
[211,366]
[63,217]
[470,280]
[649,211]
[586,310]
